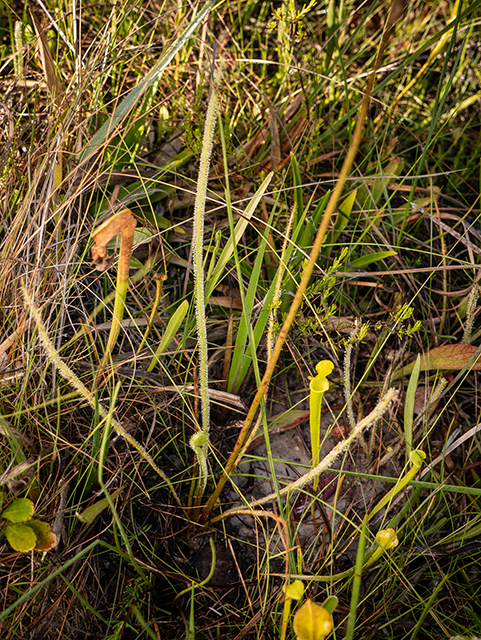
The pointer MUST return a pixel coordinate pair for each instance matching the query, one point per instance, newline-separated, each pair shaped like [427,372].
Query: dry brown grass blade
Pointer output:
[54,83]
[275,140]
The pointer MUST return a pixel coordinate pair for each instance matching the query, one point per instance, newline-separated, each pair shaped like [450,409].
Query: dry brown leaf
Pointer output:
[227,302]
[119,222]
[27,467]
[450,356]
[46,538]
[422,400]
[54,84]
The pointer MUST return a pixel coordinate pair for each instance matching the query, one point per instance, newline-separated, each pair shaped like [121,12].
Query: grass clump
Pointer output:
[330,213]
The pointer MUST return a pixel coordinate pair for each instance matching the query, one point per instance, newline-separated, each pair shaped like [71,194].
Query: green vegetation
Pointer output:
[203,205]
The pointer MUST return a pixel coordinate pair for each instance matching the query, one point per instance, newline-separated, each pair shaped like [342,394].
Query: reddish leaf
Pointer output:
[46,538]
[449,356]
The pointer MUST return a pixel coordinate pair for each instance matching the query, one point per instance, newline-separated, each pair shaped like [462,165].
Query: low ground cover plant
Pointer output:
[239,348]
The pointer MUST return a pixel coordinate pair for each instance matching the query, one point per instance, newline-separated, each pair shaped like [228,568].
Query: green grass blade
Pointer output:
[242,332]
[409,406]
[172,328]
[356,583]
[240,227]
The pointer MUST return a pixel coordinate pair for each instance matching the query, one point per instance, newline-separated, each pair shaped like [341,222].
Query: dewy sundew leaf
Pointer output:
[198,267]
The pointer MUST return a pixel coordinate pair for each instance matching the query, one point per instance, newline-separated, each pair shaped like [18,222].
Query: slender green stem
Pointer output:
[102,455]
[428,607]
[417,458]
[209,576]
[125,253]
[159,282]
[356,584]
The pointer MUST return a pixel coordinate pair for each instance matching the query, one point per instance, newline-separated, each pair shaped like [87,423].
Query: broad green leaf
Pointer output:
[21,537]
[298,191]
[330,604]
[394,167]
[89,514]
[299,248]
[371,195]
[409,405]
[364,261]
[450,356]
[289,418]
[238,375]
[343,215]
[46,538]
[19,511]
[242,339]
[108,128]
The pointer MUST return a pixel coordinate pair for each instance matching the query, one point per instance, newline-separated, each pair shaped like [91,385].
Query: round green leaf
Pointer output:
[20,536]
[19,511]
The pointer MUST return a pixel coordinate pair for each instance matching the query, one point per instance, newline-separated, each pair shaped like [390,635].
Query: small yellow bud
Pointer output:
[295,591]
[312,622]
[387,538]
[417,458]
